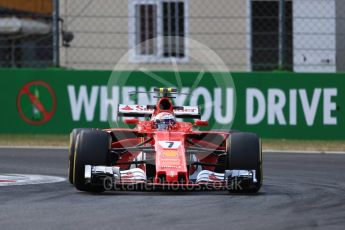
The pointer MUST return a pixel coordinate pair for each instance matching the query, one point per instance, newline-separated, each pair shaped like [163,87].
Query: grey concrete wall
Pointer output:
[102,34]
[340,31]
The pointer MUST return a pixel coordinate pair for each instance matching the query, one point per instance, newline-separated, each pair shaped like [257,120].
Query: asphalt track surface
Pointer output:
[301,191]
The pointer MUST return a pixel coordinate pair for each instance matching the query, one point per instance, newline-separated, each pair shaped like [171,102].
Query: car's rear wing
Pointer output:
[147,110]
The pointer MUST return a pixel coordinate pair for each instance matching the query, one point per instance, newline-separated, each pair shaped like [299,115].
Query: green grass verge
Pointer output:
[277,144]
[34,140]
[305,145]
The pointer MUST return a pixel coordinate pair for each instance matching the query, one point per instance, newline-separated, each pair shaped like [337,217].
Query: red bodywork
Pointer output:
[170,158]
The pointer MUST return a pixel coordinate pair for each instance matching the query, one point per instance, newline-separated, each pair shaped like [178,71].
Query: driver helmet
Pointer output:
[164,120]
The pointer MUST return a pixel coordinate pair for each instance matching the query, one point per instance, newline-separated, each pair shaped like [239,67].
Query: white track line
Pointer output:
[27,179]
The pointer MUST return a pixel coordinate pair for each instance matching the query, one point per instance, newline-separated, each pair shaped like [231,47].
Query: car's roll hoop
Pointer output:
[165,90]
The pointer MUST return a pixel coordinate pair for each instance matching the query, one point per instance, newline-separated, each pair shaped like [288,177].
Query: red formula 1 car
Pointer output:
[161,152]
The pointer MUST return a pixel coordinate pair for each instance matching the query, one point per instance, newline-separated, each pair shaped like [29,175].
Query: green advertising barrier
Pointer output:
[275,105]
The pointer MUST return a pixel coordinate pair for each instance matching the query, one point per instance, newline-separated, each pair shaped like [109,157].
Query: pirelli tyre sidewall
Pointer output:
[72,140]
[244,152]
[92,148]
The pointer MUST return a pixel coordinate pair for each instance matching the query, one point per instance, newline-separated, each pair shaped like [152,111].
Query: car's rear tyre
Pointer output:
[92,148]
[72,140]
[244,153]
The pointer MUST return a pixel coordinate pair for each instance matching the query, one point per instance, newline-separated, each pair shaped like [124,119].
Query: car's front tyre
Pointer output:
[244,153]
[72,142]
[92,148]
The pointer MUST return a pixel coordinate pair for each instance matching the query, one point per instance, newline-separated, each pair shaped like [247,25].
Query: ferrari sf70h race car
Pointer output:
[161,152]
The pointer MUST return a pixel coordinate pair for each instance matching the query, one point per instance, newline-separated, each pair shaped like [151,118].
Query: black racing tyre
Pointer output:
[72,139]
[92,148]
[244,152]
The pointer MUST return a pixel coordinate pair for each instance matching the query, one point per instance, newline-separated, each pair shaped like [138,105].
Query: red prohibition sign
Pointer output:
[47,115]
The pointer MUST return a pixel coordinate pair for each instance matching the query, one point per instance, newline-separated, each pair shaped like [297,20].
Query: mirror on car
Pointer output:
[132,121]
[200,123]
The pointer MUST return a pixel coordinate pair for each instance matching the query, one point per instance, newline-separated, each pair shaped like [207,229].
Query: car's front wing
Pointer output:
[112,178]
